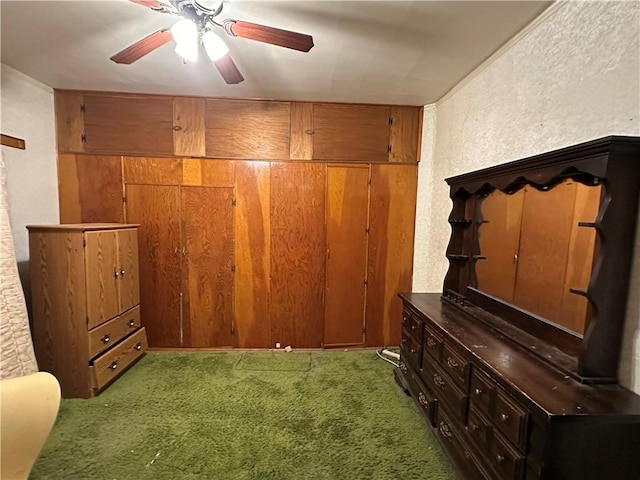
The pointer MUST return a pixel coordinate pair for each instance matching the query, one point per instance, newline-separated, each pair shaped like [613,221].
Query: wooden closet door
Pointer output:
[101,259]
[129,291]
[207,233]
[392,213]
[296,308]
[347,217]
[157,209]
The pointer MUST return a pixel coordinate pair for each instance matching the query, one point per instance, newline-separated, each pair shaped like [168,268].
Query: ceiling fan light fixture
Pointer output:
[185,33]
[214,45]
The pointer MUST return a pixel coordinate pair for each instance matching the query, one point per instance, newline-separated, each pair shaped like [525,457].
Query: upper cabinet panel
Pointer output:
[247,129]
[351,132]
[405,133]
[128,124]
[69,126]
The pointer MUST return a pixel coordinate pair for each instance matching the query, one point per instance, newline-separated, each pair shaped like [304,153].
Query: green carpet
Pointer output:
[240,416]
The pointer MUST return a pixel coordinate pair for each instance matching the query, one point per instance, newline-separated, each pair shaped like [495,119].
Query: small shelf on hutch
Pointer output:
[579,291]
[457,257]
[587,224]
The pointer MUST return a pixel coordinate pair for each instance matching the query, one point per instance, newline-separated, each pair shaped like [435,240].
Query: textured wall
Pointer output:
[571,77]
[27,113]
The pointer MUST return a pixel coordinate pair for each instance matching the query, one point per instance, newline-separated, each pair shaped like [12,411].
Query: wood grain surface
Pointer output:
[69,120]
[214,173]
[580,257]
[128,264]
[128,124]
[347,220]
[188,126]
[102,276]
[499,240]
[59,308]
[544,242]
[90,189]
[351,132]
[247,129]
[252,255]
[207,240]
[297,254]
[405,134]
[301,131]
[390,260]
[157,210]
[152,171]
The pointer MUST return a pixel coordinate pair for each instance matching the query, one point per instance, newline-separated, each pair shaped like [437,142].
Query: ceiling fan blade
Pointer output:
[142,47]
[149,3]
[274,36]
[228,70]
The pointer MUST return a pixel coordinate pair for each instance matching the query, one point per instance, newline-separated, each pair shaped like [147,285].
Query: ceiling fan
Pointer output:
[197,27]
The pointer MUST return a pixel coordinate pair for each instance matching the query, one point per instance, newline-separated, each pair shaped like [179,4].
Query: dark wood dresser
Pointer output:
[519,383]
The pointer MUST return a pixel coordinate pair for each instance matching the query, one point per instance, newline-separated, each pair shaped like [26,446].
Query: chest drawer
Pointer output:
[432,344]
[413,324]
[456,366]
[111,332]
[481,390]
[510,418]
[448,394]
[505,460]
[479,429]
[410,349]
[112,363]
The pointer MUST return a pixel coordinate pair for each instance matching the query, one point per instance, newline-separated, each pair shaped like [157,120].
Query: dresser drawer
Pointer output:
[447,394]
[432,344]
[112,363]
[456,366]
[410,349]
[479,429]
[481,390]
[511,419]
[413,324]
[111,332]
[424,398]
[505,460]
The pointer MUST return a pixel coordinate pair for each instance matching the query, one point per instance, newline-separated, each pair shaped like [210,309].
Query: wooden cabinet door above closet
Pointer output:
[351,132]
[247,129]
[128,124]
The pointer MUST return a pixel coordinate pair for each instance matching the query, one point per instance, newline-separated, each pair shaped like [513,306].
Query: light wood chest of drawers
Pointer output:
[85,303]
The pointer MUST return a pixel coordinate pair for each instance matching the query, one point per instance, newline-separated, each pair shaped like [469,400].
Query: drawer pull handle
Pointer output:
[452,363]
[403,367]
[413,350]
[122,272]
[116,274]
[473,426]
[422,399]
[431,342]
[444,430]
[106,338]
[132,323]
[138,346]
[504,417]
[413,326]
[438,380]
[500,458]
[477,391]
[114,365]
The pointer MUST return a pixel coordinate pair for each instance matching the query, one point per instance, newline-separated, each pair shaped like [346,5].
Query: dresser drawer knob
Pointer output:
[105,339]
[403,367]
[473,426]
[116,274]
[413,350]
[500,458]
[114,365]
[452,363]
[138,346]
[422,399]
[431,342]
[122,273]
[504,417]
[438,380]
[132,323]
[477,391]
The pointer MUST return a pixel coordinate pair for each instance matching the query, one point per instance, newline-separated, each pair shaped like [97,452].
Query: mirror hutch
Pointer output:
[515,364]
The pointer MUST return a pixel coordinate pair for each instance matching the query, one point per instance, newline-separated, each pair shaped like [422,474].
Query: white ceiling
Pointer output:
[392,52]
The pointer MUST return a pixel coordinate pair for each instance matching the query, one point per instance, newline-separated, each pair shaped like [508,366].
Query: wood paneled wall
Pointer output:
[235,246]
[155,125]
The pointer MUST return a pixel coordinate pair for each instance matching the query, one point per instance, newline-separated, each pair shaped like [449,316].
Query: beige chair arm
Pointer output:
[28,409]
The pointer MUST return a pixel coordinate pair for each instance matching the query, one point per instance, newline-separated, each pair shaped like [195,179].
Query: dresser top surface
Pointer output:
[537,383]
